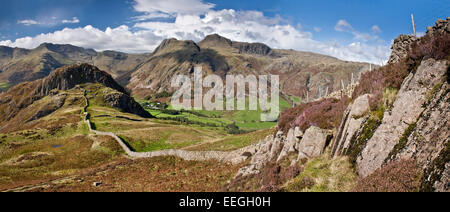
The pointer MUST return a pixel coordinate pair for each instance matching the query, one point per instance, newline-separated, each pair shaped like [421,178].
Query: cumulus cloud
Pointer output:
[247,26]
[73,21]
[120,38]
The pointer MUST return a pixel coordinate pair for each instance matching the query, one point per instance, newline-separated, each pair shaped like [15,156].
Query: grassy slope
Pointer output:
[246,120]
[323,174]
[50,151]
[60,145]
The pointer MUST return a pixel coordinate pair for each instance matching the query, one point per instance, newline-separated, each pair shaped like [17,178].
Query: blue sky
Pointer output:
[348,29]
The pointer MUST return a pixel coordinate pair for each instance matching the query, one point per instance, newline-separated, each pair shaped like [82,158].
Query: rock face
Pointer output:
[252,48]
[266,151]
[68,77]
[408,107]
[401,47]
[354,118]
[429,141]
[278,147]
[126,104]
[313,143]
[290,145]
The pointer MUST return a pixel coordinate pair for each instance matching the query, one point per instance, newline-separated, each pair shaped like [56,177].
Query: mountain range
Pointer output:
[301,73]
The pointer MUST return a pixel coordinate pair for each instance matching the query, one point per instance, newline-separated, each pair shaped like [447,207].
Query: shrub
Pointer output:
[326,114]
[390,76]
[401,176]
[435,46]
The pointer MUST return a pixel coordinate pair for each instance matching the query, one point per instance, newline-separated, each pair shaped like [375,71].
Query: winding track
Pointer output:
[234,157]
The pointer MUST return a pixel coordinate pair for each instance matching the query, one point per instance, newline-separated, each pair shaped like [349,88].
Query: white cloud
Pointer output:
[376,29]
[317,29]
[27,22]
[344,26]
[73,21]
[169,8]
[248,26]
[120,38]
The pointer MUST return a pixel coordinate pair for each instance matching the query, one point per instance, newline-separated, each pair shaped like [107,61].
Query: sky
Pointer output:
[352,30]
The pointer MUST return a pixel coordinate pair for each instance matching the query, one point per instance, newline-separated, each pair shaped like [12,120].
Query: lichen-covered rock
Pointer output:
[430,136]
[354,118]
[266,151]
[278,147]
[313,143]
[289,145]
[443,185]
[298,133]
[407,108]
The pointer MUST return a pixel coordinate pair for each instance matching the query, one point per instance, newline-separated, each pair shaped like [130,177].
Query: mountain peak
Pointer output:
[172,44]
[63,48]
[215,40]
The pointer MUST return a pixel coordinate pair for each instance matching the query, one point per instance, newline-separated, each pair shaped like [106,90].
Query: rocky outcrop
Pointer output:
[53,104]
[277,148]
[125,103]
[313,143]
[290,144]
[428,142]
[401,47]
[408,107]
[351,125]
[252,48]
[70,76]
[266,151]
[42,95]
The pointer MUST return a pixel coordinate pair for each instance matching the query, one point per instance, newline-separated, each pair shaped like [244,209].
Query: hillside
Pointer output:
[391,135]
[20,65]
[300,72]
[25,104]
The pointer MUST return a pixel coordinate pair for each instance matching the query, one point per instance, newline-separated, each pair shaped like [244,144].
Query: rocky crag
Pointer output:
[30,101]
[409,124]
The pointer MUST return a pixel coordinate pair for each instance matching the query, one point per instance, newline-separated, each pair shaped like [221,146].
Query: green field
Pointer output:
[247,120]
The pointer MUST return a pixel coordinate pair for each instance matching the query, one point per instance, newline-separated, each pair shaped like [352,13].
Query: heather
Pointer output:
[401,176]
[325,114]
